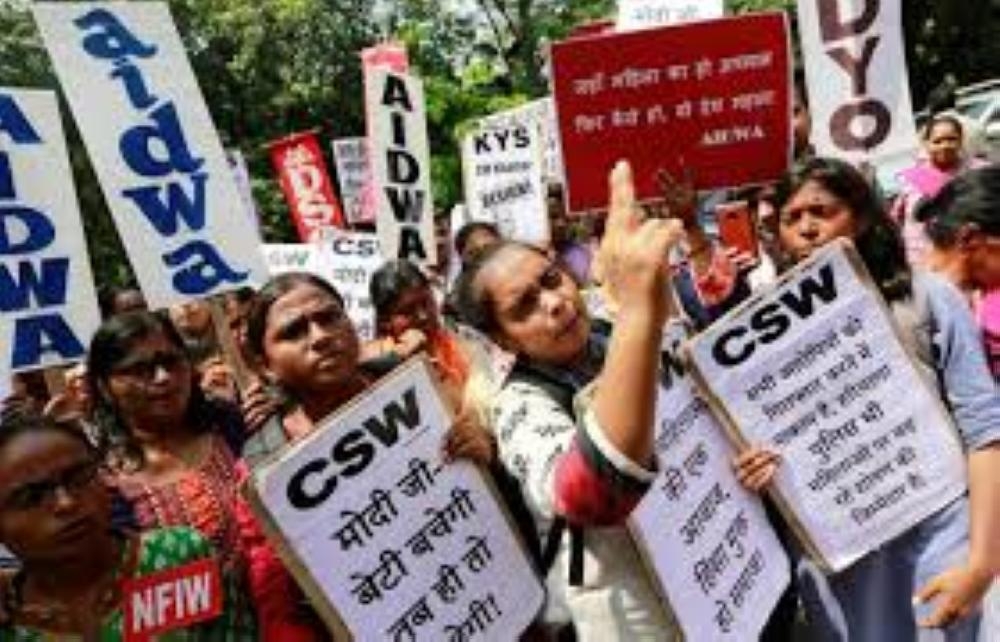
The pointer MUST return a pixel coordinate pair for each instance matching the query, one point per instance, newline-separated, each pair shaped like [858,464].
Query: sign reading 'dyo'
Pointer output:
[859,94]
[157,155]
[389,541]
[714,554]
[814,369]
[43,254]
[401,166]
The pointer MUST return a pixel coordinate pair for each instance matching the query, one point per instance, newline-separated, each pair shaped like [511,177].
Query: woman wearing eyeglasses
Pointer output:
[54,515]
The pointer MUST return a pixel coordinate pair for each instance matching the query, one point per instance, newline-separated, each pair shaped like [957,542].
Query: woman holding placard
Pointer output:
[73,583]
[950,559]
[584,467]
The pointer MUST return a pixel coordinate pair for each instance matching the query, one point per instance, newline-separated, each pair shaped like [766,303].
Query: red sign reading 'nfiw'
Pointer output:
[172,599]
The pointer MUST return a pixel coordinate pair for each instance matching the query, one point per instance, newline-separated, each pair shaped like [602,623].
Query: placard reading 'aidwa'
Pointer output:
[813,368]
[713,552]
[389,541]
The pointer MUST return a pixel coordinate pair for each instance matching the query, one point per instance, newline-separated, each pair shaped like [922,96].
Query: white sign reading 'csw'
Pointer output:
[502,164]
[717,561]
[401,166]
[347,260]
[855,62]
[48,306]
[393,543]
[813,368]
[158,157]
[644,14]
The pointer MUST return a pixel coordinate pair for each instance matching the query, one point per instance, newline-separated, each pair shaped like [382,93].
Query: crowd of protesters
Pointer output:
[137,462]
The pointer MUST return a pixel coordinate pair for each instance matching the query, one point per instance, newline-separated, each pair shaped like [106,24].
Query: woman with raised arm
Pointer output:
[574,421]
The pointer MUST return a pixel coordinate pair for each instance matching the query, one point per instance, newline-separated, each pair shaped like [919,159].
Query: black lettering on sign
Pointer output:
[771,321]
[834,26]
[353,453]
[842,128]
[395,93]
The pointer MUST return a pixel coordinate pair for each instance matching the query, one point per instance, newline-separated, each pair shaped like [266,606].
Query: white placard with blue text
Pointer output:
[400,165]
[716,559]
[153,145]
[813,369]
[48,305]
[396,543]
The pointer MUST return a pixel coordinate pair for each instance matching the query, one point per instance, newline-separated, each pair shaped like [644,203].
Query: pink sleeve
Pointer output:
[281,616]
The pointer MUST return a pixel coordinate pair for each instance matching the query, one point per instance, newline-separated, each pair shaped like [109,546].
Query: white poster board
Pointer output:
[859,94]
[644,14]
[540,113]
[48,305]
[717,561]
[502,168]
[351,158]
[401,166]
[150,136]
[813,369]
[394,543]
[347,260]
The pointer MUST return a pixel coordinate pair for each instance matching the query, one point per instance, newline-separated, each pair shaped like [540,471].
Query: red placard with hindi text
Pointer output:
[713,96]
[172,599]
[306,184]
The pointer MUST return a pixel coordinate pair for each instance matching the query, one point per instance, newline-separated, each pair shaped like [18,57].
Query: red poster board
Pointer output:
[714,93]
[298,161]
[173,599]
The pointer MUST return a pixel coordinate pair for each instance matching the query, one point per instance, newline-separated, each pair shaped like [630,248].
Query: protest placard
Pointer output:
[540,113]
[400,163]
[711,96]
[43,253]
[502,167]
[389,541]
[298,161]
[177,598]
[716,559]
[346,260]
[813,368]
[859,93]
[353,175]
[643,14]
[241,174]
[153,146]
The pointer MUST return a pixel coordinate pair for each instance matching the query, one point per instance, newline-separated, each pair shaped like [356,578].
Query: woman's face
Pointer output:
[944,145]
[538,308]
[415,309]
[310,345]
[53,505]
[811,218]
[151,385]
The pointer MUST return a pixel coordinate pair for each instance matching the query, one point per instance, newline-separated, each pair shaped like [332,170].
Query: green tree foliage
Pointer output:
[272,67]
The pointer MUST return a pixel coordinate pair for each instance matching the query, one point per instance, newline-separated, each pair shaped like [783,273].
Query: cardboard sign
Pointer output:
[859,93]
[711,95]
[540,114]
[643,14]
[173,599]
[153,146]
[354,177]
[401,166]
[306,185]
[347,260]
[43,254]
[813,369]
[389,541]
[502,167]
[716,559]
